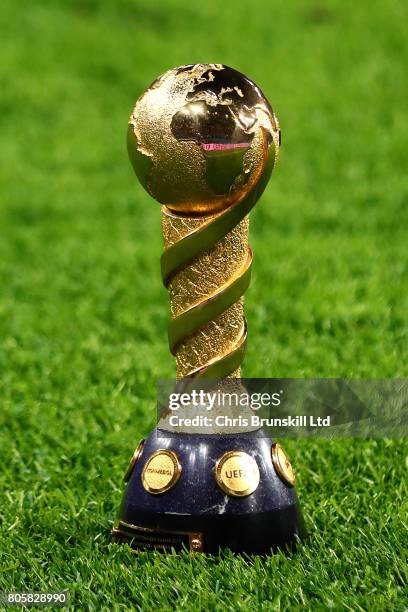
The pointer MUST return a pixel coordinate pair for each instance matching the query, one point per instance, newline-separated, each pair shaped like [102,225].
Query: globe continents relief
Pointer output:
[199,131]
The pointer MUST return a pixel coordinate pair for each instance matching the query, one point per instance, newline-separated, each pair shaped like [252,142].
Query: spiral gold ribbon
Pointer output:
[185,250]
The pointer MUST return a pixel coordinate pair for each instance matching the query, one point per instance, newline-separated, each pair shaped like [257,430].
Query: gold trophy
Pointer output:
[203,141]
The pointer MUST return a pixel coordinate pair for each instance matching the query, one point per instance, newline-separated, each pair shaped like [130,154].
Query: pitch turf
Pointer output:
[83,313]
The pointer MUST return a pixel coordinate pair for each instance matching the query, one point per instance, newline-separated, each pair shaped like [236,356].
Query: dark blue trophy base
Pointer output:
[196,513]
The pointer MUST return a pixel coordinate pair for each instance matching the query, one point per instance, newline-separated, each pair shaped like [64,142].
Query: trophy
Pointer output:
[203,141]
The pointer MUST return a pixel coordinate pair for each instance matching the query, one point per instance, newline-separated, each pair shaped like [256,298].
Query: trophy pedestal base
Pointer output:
[204,506]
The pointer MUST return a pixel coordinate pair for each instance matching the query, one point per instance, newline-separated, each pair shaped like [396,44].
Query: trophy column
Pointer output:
[207,331]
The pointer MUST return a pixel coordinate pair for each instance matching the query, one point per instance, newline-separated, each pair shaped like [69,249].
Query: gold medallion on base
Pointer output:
[161,472]
[282,465]
[134,460]
[237,473]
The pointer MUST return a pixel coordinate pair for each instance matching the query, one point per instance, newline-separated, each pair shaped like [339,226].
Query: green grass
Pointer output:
[83,314]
